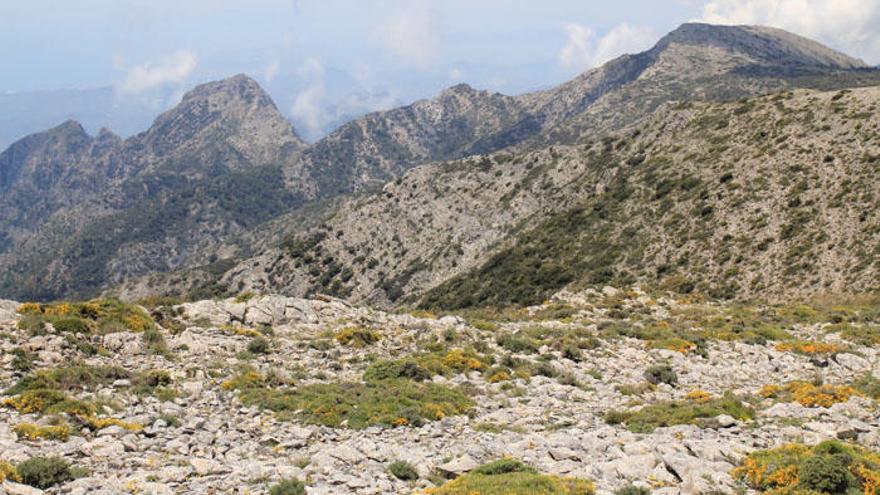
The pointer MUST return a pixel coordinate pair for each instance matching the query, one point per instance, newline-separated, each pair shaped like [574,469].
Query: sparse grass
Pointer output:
[831,467]
[670,413]
[512,477]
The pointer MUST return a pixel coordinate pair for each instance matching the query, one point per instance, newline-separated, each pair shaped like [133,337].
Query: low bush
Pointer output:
[31,431]
[288,487]
[403,470]
[831,467]
[73,377]
[670,413]
[44,472]
[661,374]
[808,394]
[392,370]
[512,477]
[810,348]
[357,337]
[259,345]
[632,490]
[102,315]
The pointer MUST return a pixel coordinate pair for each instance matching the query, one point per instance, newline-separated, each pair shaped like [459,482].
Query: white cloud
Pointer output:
[309,106]
[849,25]
[582,51]
[456,74]
[174,68]
[271,70]
[410,34]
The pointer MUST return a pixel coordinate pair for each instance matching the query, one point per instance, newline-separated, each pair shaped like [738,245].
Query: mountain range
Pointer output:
[726,160]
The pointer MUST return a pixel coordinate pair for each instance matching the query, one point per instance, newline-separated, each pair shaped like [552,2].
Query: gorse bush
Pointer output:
[512,477]
[357,337]
[831,467]
[101,315]
[808,394]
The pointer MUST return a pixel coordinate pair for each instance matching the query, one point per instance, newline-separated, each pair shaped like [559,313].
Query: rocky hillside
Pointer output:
[594,392]
[767,197]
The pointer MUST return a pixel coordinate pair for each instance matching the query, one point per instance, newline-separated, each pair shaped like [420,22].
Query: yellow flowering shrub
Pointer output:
[808,394]
[698,395]
[809,347]
[31,431]
[30,308]
[830,467]
[8,472]
[357,337]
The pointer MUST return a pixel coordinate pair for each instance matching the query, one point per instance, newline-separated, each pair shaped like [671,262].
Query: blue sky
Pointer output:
[327,59]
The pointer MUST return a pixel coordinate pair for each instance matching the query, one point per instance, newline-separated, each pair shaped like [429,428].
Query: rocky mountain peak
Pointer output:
[239,89]
[235,111]
[760,43]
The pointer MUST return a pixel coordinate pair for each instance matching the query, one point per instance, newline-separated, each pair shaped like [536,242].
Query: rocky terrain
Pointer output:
[614,388]
[222,171]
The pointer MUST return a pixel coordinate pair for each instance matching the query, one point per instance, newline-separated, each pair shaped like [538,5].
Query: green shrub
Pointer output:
[632,490]
[403,470]
[504,466]
[391,370]
[357,337]
[826,474]
[32,324]
[831,467]
[512,477]
[44,472]
[288,487]
[155,342]
[23,360]
[70,324]
[517,343]
[258,345]
[661,374]
[671,413]
[73,377]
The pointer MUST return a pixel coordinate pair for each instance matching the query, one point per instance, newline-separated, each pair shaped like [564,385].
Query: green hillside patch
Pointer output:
[354,405]
[680,412]
[579,244]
